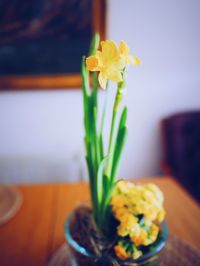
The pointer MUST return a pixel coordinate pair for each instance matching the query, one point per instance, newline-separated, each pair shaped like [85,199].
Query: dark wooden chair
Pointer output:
[181,149]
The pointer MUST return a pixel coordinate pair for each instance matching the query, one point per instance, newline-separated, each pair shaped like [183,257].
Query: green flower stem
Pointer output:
[112,140]
[102,125]
[111,145]
[94,43]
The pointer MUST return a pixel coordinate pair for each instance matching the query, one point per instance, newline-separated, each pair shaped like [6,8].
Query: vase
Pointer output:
[83,257]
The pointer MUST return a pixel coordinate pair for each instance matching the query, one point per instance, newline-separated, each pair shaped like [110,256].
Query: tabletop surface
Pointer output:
[32,236]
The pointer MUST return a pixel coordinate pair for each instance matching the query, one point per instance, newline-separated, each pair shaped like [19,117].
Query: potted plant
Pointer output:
[124,225]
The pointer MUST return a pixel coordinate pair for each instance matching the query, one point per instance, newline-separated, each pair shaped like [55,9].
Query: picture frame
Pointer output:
[48,80]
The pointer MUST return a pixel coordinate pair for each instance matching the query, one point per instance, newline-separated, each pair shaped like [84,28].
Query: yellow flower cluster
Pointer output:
[111,61]
[139,210]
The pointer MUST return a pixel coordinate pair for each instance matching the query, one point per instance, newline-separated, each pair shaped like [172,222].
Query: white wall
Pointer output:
[166,37]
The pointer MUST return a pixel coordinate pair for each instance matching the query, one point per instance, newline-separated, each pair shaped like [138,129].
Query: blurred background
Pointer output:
[41,131]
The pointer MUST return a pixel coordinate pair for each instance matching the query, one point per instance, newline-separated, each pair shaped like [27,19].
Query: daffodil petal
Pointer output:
[121,63]
[109,51]
[134,60]
[115,75]
[102,80]
[123,48]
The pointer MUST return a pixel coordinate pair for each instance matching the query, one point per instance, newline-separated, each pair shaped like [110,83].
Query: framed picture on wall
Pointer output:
[42,41]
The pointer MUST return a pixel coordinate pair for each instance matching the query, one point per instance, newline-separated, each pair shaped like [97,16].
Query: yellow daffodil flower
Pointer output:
[110,62]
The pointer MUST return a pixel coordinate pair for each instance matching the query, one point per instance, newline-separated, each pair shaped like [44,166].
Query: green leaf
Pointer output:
[85,79]
[123,118]
[100,180]
[106,189]
[94,43]
[105,206]
[90,170]
[94,91]
[119,145]
[101,147]
[105,107]
[105,184]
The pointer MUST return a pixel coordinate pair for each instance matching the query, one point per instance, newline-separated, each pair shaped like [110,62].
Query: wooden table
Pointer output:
[36,231]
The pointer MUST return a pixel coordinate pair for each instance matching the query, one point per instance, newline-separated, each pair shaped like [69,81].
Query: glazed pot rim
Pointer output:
[80,249]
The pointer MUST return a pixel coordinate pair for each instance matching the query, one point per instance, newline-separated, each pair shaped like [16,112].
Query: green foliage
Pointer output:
[102,168]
